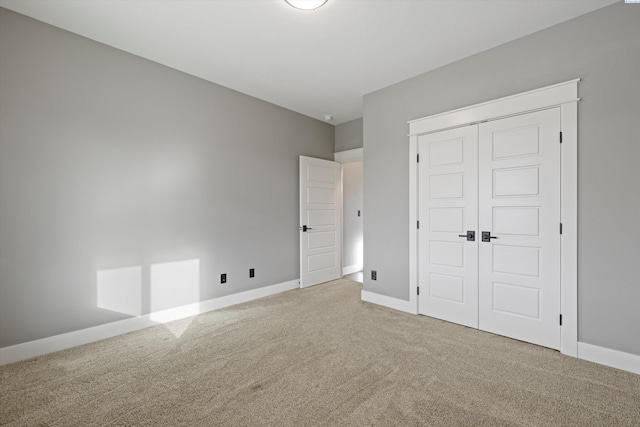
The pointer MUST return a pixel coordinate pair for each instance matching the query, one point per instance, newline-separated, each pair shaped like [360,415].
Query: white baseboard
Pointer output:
[606,356]
[351,269]
[394,303]
[42,346]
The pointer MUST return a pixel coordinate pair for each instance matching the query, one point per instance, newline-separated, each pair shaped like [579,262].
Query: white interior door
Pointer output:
[448,209]
[519,194]
[320,216]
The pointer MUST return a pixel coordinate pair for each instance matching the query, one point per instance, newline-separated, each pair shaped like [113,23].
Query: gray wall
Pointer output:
[108,161]
[352,223]
[602,48]
[348,135]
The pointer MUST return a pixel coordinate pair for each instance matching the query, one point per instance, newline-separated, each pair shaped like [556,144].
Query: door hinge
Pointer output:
[418,224]
[561,320]
[418,290]
[560,137]
[418,158]
[560,228]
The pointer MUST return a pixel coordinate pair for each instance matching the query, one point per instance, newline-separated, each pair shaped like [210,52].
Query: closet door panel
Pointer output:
[519,205]
[448,206]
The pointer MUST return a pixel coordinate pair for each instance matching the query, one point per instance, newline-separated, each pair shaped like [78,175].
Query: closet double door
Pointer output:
[489,231]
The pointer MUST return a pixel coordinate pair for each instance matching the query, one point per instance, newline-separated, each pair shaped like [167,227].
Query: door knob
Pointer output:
[486,236]
[471,236]
[304,228]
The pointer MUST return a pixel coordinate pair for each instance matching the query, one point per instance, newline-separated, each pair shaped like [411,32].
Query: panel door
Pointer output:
[519,205]
[448,204]
[320,212]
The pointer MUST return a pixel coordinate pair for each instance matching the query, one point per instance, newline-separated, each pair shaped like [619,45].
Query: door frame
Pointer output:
[342,157]
[349,156]
[563,95]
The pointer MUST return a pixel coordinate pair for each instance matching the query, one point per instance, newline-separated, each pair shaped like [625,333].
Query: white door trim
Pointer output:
[538,99]
[563,95]
[349,156]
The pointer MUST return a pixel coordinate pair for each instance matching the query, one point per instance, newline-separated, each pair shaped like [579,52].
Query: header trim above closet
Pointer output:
[537,99]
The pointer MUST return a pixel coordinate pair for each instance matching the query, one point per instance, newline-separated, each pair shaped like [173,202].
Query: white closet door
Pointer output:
[448,208]
[519,205]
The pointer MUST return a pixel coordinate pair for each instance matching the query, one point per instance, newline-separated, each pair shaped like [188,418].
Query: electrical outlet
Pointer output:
[374,275]
[358,212]
[252,272]
[223,278]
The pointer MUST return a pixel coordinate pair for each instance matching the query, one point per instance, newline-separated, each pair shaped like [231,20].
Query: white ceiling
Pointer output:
[313,62]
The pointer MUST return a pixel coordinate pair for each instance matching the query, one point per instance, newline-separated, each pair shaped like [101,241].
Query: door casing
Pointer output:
[343,157]
[562,95]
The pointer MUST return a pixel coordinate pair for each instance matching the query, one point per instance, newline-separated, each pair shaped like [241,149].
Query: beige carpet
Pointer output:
[316,356]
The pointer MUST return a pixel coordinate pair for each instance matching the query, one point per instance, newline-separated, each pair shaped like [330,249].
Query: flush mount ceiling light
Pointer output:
[306,4]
